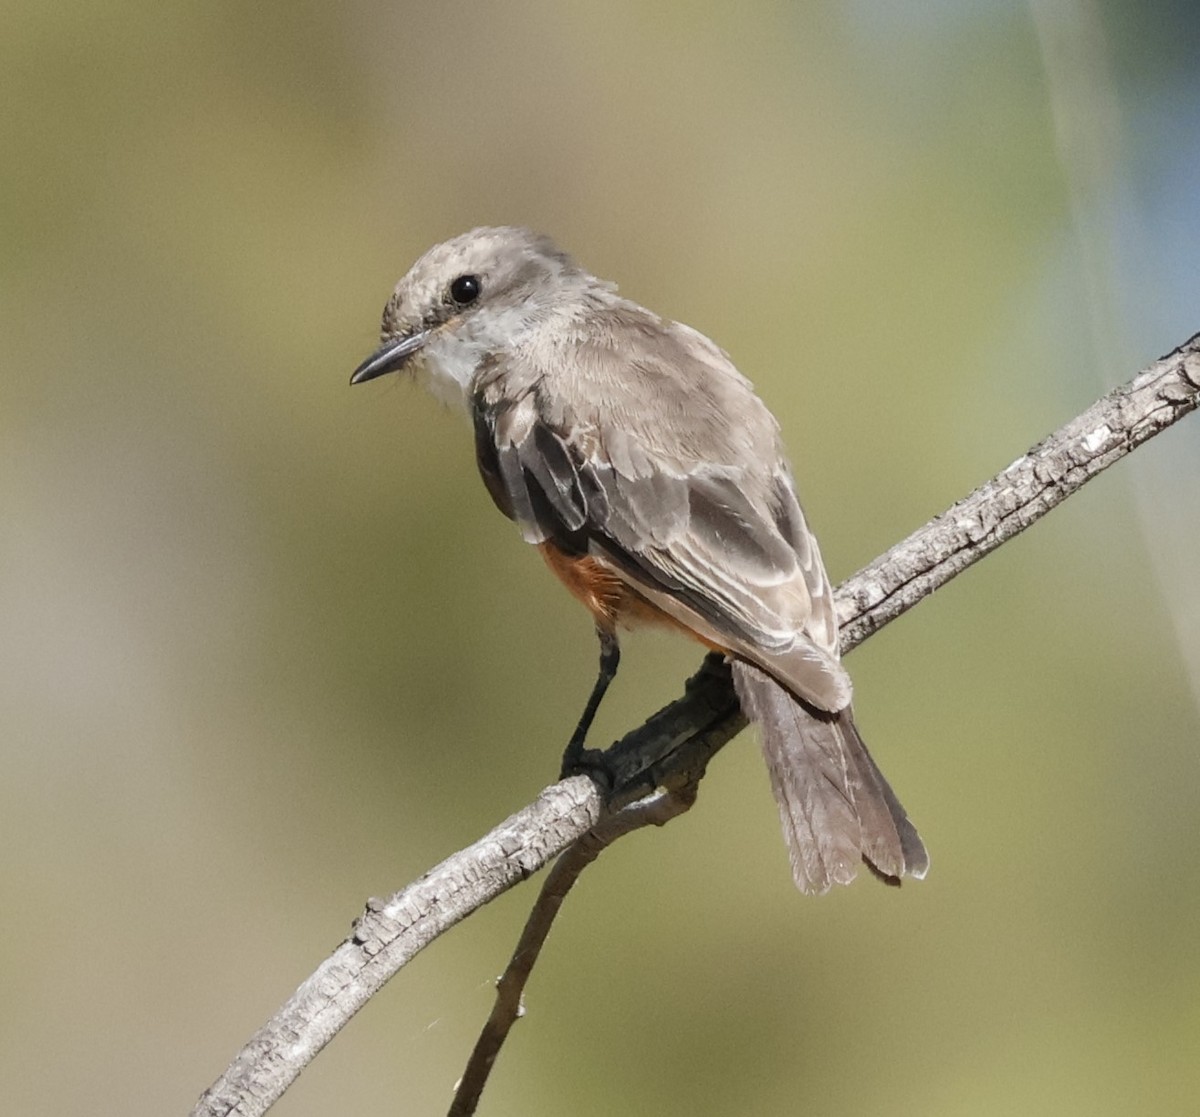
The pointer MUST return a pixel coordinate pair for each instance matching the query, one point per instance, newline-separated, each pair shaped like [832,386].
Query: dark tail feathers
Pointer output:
[835,805]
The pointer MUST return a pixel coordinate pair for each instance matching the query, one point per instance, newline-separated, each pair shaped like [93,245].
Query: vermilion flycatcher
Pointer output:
[640,462]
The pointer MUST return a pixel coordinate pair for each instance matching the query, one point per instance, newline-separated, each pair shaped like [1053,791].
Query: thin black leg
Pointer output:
[610,657]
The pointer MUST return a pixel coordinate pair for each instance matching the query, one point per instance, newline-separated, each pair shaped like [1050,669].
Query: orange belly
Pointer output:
[609,599]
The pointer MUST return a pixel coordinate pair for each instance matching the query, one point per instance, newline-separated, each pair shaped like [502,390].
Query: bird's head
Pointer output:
[466,299]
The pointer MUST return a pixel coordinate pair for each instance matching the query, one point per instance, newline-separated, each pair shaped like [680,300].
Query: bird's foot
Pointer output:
[593,763]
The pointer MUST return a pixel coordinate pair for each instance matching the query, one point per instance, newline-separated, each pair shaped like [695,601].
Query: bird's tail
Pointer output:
[835,805]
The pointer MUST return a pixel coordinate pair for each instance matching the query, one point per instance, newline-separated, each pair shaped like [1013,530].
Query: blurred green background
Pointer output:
[266,648]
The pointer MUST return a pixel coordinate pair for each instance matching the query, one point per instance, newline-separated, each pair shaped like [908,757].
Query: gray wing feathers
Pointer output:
[548,460]
[835,805]
[499,436]
[666,464]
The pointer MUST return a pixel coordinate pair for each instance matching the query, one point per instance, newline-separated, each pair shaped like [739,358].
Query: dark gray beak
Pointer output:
[390,357]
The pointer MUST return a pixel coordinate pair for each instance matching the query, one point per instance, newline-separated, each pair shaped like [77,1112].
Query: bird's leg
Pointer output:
[575,758]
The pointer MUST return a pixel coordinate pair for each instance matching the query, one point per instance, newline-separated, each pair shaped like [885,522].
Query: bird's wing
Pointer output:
[687,498]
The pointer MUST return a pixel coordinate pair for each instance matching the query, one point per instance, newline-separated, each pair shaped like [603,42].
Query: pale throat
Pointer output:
[452,356]
[446,367]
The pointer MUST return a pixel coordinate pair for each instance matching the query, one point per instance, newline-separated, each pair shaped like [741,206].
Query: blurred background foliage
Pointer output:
[266,649]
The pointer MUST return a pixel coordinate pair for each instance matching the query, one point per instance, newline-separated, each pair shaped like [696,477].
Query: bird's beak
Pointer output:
[390,357]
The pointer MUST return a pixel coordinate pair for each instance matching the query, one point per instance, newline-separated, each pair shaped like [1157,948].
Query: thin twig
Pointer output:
[657,809]
[676,743]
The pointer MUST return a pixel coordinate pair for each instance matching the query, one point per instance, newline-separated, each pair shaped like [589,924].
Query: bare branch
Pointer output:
[1021,494]
[388,934]
[673,747]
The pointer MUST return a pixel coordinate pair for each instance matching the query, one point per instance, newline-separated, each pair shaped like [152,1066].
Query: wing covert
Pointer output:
[706,527]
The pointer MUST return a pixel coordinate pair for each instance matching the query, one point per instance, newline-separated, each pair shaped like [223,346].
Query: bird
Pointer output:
[641,463]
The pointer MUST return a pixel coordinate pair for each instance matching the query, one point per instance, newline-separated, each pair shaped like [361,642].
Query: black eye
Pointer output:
[465,289]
